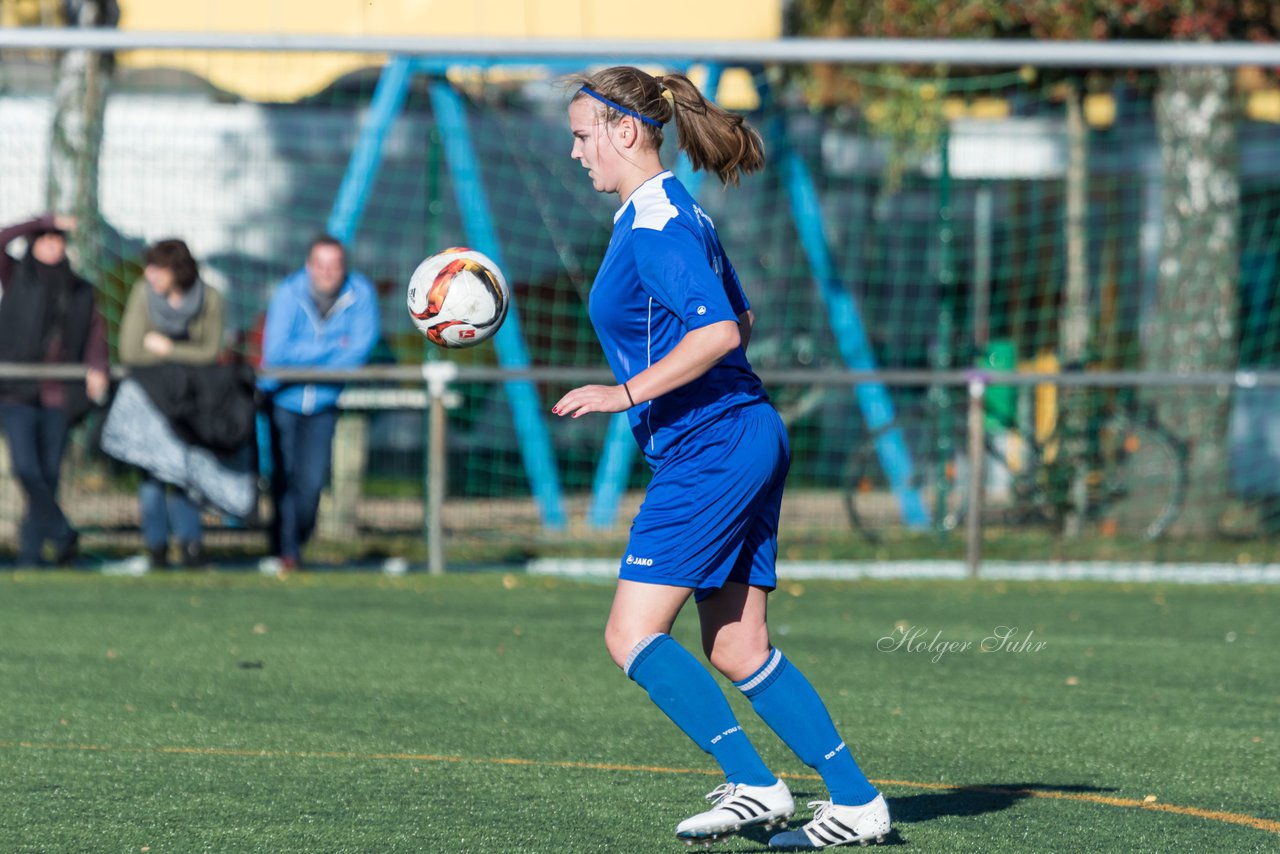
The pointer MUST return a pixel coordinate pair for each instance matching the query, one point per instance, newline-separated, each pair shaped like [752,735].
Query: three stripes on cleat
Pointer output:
[736,806]
[835,824]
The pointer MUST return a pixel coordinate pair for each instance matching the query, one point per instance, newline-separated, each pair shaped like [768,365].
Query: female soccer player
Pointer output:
[674,323]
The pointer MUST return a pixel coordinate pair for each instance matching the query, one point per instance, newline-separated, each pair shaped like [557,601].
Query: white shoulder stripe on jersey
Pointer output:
[653,209]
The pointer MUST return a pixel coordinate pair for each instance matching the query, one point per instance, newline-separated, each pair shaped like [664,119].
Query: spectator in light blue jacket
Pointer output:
[326,317]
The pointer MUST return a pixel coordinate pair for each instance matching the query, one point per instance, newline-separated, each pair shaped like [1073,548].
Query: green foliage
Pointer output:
[908,111]
[1199,20]
[114,283]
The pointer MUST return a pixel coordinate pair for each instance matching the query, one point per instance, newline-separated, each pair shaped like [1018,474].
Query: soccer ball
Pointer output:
[458,297]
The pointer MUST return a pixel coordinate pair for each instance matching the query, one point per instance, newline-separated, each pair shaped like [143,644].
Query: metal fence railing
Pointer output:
[965,466]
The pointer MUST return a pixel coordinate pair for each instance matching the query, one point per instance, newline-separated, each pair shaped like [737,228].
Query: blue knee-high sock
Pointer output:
[688,694]
[785,700]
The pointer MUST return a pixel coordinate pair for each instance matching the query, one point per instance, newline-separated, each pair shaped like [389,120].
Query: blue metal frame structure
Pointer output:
[845,318]
[366,157]
[482,235]
[851,337]
[388,100]
[619,447]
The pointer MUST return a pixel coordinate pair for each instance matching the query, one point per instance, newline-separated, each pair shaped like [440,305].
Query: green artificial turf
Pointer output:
[479,713]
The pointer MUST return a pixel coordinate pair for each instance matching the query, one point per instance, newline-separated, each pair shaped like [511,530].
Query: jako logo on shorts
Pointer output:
[640,561]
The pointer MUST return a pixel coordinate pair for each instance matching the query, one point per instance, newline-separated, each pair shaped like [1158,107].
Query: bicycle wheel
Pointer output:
[932,475]
[1013,494]
[1139,483]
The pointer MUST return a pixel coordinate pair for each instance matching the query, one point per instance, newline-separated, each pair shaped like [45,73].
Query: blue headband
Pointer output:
[602,99]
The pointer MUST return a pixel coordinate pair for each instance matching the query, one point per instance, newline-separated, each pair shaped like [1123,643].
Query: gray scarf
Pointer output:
[173,321]
[324,303]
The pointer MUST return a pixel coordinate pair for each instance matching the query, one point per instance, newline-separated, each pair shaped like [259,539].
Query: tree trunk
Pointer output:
[1074,324]
[76,135]
[1193,324]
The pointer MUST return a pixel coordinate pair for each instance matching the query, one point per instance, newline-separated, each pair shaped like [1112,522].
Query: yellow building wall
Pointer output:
[286,77]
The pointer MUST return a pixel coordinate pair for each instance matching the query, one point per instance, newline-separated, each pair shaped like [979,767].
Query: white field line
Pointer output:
[1177,573]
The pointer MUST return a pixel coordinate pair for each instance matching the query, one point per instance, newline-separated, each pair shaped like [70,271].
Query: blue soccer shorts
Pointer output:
[710,514]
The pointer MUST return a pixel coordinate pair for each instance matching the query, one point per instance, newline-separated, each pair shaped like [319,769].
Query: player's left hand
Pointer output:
[593,398]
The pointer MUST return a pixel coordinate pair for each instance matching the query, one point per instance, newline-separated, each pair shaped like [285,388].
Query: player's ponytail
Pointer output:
[713,138]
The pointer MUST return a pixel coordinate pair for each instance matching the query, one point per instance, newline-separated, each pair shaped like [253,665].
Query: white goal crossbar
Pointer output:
[790,51]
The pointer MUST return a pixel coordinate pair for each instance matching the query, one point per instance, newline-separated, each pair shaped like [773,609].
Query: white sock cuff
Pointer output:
[639,648]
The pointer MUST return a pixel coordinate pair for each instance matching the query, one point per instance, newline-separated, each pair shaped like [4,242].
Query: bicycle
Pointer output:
[1124,475]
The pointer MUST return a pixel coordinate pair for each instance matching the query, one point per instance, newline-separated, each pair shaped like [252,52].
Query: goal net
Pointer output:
[1005,220]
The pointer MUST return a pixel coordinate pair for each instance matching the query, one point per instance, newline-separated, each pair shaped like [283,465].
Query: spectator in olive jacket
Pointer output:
[171,316]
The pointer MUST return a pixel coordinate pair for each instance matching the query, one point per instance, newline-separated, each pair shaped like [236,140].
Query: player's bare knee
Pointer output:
[619,642]
[738,661]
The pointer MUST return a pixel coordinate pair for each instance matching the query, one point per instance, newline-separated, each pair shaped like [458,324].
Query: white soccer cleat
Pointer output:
[836,824]
[735,806]
[134,566]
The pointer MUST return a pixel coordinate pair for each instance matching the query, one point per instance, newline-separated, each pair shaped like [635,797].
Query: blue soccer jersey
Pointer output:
[665,274]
